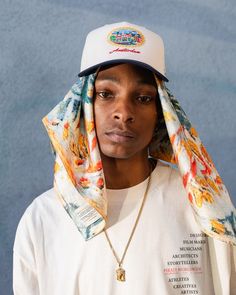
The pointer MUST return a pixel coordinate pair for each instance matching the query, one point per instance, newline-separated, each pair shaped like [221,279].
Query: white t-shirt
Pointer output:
[167,255]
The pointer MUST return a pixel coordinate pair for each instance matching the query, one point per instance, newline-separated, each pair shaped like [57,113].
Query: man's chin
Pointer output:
[121,154]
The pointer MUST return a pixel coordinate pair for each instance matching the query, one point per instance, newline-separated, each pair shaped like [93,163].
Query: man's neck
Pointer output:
[124,173]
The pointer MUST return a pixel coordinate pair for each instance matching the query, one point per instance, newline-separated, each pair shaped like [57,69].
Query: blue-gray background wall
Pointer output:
[40,50]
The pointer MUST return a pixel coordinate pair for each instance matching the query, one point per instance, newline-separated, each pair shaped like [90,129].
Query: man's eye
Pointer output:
[144,98]
[104,94]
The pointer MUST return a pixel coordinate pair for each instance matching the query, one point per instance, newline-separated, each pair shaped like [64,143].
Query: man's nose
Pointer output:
[124,112]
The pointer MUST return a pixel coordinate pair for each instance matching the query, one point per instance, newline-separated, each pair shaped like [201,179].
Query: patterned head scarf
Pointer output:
[78,173]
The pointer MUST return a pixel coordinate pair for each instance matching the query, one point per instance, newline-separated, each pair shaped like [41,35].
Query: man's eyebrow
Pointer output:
[144,81]
[108,78]
[114,79]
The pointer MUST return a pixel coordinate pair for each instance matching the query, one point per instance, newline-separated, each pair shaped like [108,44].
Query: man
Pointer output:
[132,223]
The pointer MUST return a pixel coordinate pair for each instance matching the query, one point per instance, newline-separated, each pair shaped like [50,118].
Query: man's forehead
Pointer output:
[115,73]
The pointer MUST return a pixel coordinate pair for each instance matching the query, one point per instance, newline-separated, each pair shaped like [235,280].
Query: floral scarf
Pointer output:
[78,174]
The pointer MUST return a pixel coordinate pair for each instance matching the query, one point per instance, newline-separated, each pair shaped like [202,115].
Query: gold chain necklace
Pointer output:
[120,272]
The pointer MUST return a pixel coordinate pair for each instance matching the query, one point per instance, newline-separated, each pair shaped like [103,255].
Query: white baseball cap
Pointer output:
[123,42]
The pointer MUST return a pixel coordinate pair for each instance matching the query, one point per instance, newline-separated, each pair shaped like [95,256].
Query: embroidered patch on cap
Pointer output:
[126,36]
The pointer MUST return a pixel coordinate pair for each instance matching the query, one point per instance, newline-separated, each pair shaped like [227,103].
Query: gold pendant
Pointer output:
[120,274]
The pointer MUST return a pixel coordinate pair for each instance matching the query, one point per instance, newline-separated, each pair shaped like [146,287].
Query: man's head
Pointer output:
[127,57]
[125,108]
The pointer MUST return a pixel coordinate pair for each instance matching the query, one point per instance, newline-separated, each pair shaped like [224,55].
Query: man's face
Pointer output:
[125,110]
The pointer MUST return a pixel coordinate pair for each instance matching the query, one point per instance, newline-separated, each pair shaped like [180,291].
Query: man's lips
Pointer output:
[119,135]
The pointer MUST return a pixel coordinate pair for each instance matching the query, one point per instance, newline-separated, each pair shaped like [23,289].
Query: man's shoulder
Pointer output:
[42,207]
[45,199]
[167,179]
[45,196]
[167,172]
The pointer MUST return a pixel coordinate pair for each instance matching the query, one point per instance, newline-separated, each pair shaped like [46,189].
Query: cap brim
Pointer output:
[117,61]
